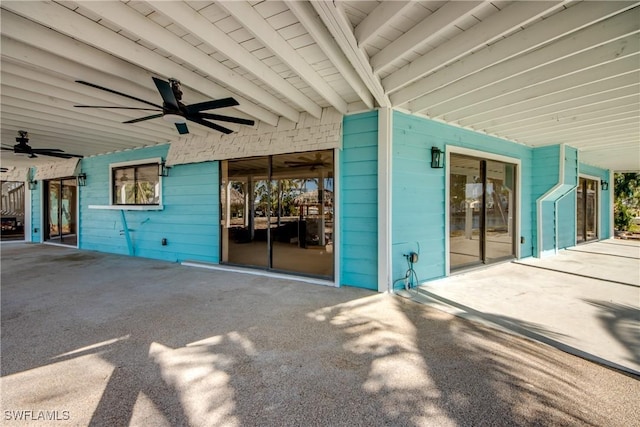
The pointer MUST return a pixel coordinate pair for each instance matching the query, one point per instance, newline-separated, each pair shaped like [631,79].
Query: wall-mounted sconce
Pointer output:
[163,169]
[604,185]
[33,184]
[82,179]
[437,158]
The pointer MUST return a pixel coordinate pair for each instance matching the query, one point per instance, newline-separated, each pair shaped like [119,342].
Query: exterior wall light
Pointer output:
[604,185]
[82,179]
[33,184]
[437,158]
[163,169]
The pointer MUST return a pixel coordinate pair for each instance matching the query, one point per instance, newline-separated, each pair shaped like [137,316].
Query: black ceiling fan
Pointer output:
[23,147]
[174,111]
[308,162]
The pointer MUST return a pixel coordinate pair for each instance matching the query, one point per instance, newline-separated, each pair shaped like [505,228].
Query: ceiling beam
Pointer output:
[83,29]
[336,22]
[580,70]
[592,92]
[574,53]
[477,37]
[430,28]
[550,29]
[575,129]
[244,13]
[190,20]
[379,17]
[311,22]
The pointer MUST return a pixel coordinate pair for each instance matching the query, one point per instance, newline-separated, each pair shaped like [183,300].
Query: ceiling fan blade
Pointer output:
[141,119]
[182,128]
[122,108]
[167,94]
[226,119]
[43,150]
[118,93]
[211,105]
[210,125]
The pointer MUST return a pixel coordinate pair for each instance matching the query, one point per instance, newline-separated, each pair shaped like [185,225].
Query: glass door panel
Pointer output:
[587,210]
[277,212]
[12,206]
[465,212]
[245,197]
[61,209]
[499,210]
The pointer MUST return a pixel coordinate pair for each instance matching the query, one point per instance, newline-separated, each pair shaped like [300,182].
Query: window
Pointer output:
[135,184]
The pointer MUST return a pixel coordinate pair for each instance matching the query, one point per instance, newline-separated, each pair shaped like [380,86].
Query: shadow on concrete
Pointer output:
[571,273]
[182,346]
[623,323]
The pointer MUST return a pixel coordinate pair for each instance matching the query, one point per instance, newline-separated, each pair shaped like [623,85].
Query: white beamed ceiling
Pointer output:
[533,72]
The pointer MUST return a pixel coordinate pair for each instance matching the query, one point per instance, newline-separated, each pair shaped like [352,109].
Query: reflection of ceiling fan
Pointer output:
[23,147]
[308,162]
[174,111]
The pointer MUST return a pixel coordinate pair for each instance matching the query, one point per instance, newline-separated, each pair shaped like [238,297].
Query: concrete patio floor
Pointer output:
[98,339]
[585,300]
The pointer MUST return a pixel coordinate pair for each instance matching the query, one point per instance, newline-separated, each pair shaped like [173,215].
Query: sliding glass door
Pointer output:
[587,210]
[277,213]
[61,211]
[481,211]
[12,205]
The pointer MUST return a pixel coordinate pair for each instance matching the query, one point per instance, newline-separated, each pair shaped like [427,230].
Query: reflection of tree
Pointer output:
[267,193]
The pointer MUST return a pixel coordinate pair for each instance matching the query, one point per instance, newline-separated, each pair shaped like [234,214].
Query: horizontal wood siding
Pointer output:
[36,212]
[359,201]
[545,170]
[419,191]
[190,219]
[605,198]
[566,226]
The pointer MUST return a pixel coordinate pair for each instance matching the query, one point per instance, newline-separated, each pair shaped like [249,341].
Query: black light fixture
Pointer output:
[163,169]
[604,185]
[33,184]
[437,158]
[82,179]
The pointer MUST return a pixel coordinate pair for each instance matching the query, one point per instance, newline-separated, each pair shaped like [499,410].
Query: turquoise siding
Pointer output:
[190,220]
[546,166]
[36,213]
[359,201]
[566,205]
[418,190]
[605,197]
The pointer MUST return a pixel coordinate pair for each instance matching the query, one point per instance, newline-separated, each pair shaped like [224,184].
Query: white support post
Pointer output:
[385,142]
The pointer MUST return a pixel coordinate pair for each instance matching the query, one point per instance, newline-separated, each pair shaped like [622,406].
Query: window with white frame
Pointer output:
[135,183]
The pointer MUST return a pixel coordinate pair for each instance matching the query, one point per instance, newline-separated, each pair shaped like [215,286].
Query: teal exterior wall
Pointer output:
[359,201]
[546,169]
[36,213]
[190,220]
[605,197]
[418,190]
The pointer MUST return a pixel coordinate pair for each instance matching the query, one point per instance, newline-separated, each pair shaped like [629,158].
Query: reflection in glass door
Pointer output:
[481,211]
[60,208]
[12,206]
[587,210]
[284,221]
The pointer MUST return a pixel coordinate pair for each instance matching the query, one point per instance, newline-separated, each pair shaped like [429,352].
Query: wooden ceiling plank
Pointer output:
[526,107]
[566,53]
[425,31]
[310,21]
[539,34]
[67,22]
[244,13]
[490,29]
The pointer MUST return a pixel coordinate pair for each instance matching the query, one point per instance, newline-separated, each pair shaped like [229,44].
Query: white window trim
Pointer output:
[598,181]
[112,206]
